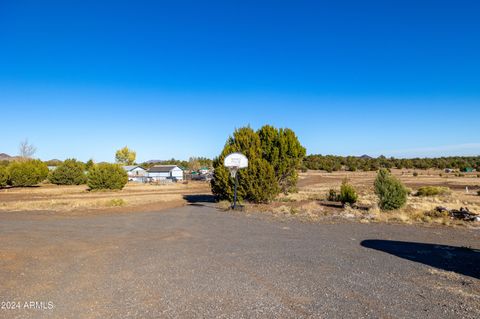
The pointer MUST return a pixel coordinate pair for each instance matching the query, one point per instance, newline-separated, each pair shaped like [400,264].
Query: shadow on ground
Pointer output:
[200,199]
[461,260]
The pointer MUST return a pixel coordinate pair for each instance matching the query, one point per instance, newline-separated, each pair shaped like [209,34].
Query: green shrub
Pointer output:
[478,192]
[107,176]
[391,193]
[3,176]
[333,196]
[348,194]
[70,172]
[432,191]
[259,184]
[415,174]
[26,173]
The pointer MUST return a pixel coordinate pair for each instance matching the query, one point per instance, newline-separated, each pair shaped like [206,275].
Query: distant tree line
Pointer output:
[332,163]
[194,163]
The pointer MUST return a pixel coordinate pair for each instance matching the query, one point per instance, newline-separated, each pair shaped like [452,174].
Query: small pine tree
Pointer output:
[107,176]
[348,194]
[391,193]
[26,173]
[70,172]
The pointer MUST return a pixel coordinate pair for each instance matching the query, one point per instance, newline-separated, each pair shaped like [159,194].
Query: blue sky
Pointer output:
[174,78]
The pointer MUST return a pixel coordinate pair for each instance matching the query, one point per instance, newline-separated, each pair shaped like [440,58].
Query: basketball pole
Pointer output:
[235,192]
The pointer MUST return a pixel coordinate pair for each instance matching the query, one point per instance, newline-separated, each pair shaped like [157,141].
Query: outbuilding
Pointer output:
[165,172]
[136,173]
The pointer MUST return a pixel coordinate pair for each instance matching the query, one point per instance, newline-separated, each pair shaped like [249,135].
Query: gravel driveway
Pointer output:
[197,262]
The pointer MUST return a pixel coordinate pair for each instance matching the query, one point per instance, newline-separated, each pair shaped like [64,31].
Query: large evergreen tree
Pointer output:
[273,154]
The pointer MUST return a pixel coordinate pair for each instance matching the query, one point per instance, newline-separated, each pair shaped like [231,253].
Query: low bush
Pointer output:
[333,196]
[415,174]
[348,194]
[3,176]
[107,176]
[432,191]
[391,193]
[478,192]
[70,172]
[26,173]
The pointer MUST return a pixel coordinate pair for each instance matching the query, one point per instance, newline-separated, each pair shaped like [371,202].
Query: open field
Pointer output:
[314,185]
[308,202]
[71,199]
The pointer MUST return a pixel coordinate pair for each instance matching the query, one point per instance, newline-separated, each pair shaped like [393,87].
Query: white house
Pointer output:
[165,172]
[136,173]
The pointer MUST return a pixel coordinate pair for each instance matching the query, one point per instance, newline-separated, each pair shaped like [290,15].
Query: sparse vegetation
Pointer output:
[107,176]
[70,172]
[26,173]
[391,193]
[116,202]
[432,191]
[415,174]
[348,194]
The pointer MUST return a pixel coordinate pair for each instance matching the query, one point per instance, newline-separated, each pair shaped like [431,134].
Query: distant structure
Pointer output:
[136,173]
[165,172]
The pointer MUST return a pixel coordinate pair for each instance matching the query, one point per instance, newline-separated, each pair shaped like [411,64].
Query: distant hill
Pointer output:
[365,156]
[5,157]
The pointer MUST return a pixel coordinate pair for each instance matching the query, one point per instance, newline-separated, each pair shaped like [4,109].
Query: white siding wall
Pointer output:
[159,176]
[138,172]
[177,173]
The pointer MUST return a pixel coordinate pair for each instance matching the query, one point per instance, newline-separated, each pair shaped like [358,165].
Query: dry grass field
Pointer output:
[71,199]
[309,202]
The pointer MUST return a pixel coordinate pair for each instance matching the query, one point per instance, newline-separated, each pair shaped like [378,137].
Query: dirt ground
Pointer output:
[78,199]
[310,200]
[198,262]
[308,203]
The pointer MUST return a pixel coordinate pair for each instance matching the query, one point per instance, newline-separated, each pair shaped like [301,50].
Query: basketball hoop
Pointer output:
[233,171]
[234,162]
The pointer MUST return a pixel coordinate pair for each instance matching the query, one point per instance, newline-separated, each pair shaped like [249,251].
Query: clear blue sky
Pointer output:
[174,78]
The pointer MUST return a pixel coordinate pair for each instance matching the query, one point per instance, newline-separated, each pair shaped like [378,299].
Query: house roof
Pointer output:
[129,168]
[161,168]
